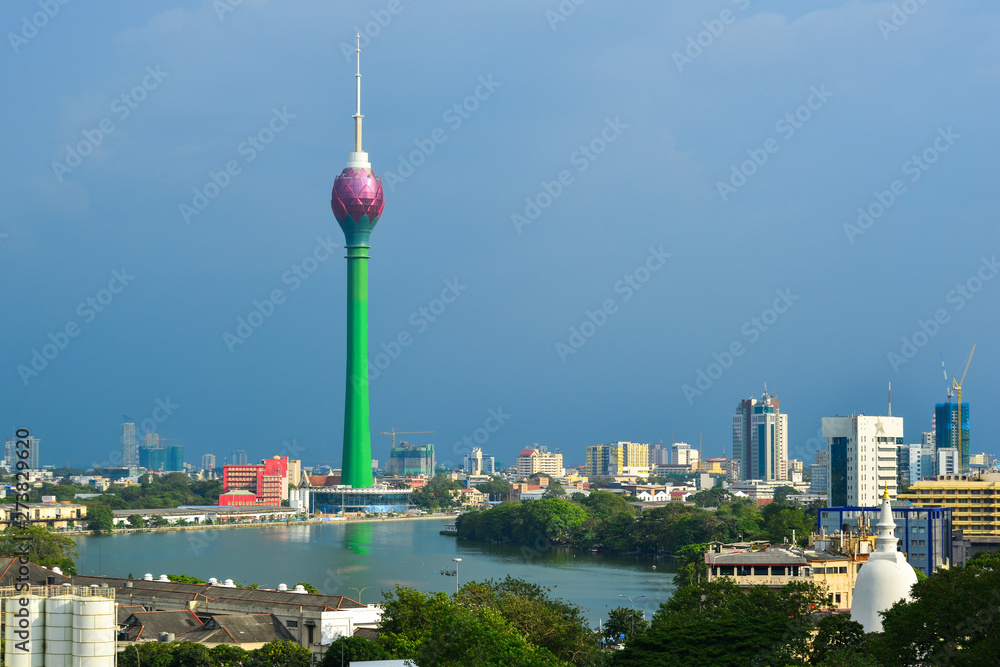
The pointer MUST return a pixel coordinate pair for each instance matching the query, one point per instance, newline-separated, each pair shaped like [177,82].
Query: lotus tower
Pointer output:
[357,204]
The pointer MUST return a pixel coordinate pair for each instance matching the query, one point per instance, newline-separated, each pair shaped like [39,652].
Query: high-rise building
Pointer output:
[239,457]
[618,459]
[659,455]
[915,462]
[11,456]
[357,204]
[949,434]
[130,446]
[948,461]
[410,460]
[153,458]
[760,439]
[539,460]
[862,458]
[817,474]
[174,458]
[681,454]
[151,441]
[476,463]
[208,461]
[295,472]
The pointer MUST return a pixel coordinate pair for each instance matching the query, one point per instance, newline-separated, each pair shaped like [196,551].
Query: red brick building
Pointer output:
[267,481]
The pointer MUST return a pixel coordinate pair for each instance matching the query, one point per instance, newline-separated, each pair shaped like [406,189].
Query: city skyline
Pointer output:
[168,231]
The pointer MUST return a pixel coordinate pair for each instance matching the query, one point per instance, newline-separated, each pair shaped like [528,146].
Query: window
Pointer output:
[292,624]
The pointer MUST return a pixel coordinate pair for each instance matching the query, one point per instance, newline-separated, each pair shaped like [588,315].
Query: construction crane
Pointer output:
[957,386]
[393,432]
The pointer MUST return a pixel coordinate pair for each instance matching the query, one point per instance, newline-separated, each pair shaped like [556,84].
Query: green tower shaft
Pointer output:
[356,470]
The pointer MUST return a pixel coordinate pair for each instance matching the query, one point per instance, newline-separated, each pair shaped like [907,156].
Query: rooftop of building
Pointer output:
[128,589]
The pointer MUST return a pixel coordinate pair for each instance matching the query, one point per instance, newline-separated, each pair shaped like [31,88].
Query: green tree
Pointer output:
[44,547]
[691,568]
[184,579]
[836,635]
[782,492]
[713,497]
[346,649]
[554,490]
[547,622]
[497,488]
[309,587]
[718,624]
[281,653]
[100,519]
[223,655]
[436,631]
[624,622]
[136,521]
[158,521]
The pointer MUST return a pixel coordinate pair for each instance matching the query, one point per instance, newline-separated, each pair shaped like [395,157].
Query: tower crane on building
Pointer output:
[393,432]
[957,386]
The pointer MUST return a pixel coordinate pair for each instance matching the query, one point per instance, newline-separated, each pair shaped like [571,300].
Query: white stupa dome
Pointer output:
[885,578]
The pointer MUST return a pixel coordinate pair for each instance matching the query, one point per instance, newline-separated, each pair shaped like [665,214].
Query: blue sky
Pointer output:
[619,200]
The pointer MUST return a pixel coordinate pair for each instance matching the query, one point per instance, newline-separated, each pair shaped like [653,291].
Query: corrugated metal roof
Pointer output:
[178,591]
[240,629]
[149,624]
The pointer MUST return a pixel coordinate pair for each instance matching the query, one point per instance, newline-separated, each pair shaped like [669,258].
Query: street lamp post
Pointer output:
[632,600]
[352,588]
[457,561]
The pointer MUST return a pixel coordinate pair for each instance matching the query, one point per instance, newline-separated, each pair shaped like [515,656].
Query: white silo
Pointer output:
[59,631]
[93,632]
[29,617]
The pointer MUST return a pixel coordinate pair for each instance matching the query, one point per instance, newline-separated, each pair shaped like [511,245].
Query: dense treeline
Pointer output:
[509,623]
[609,521]
[189,654]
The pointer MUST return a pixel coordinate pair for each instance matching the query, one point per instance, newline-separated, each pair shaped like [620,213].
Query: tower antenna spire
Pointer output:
[357,115]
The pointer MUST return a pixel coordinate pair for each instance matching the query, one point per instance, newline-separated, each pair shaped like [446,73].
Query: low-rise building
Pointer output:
[51,515]
[777,565]
[924,533]
[974,500]
[314,621]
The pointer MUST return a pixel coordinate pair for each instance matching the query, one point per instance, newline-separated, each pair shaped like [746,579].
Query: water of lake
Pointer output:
[339,556]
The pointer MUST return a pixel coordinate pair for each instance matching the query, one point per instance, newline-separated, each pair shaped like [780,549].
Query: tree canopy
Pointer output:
[44,547]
